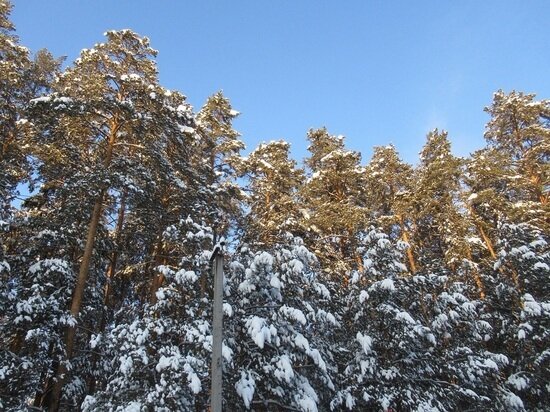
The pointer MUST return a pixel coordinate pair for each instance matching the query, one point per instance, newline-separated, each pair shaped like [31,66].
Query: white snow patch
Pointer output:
[365,341]
[350,401]
[245,388]
[293,313]
[542,266]
[126,364]
[160,294]
[193,379]
[490,364]
[264,259]
[518,382]
[404,316]
[275,282]
[307,404]
[315,355]
[321,290]
[133,406]
[284,369]
[387,284]
[514,402]
[301,342]
[227,353]
[186,276]
[227,309]
[258,331]
[296,266]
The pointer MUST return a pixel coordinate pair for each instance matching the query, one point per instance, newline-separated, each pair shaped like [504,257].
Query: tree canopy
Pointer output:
[349,285]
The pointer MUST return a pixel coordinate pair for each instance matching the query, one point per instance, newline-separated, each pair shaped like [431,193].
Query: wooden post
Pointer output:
[217,331]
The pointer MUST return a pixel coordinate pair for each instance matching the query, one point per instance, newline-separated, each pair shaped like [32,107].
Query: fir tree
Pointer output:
[276,331]
[412,342]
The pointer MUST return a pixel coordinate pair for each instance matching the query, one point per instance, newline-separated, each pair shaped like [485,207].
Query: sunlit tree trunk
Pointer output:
[405,237]
[83,272]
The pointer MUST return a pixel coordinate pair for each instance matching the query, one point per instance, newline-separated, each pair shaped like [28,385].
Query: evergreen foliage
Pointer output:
[384,286]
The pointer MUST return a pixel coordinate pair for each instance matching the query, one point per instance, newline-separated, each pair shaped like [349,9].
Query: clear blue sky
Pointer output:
[374,71]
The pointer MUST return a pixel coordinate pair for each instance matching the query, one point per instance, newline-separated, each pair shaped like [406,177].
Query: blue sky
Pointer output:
[374,71]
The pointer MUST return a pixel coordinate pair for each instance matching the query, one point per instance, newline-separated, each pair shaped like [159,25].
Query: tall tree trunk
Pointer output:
[78,293]
[158,278]
[513,274]
[111,270]
[477,277]
[405,237]
[484,236]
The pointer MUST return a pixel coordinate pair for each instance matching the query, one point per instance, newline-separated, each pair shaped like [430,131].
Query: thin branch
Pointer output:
[273,402]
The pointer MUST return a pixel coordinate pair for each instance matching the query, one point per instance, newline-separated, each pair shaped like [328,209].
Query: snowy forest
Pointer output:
[349,284]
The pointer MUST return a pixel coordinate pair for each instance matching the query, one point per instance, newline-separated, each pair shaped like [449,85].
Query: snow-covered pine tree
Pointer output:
[507,181]
[278,330]
[411,342]
[331,199]
[33,301]
[156,355]
[273,181]
[435,200]
[520,129]
[443,231]
[486,197]
[21,79]
[388,189]
[220,145]
[518,308]
[106,130]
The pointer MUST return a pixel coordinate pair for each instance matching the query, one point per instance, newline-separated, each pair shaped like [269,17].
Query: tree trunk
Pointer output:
[78,293]
[111,270]
[484,236]
[77,301]
[158,279]
[477,277]
[488,242]
[405,237]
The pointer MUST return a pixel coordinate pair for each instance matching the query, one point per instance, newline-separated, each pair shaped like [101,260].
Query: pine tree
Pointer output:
[14,63]
[435,196]
[273,182]
[520,130]
[486,201]
[110,119]
[33,301]
[388,189]
[21,79]
[443,231]
[219,149]
[518,309]
[276,332]
[331,201]
[411,342]
[156,355]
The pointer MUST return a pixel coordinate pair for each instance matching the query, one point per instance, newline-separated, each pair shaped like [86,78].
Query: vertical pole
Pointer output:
[217,334]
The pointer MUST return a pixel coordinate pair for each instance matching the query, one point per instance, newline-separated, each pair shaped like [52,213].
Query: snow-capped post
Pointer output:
[216,261]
